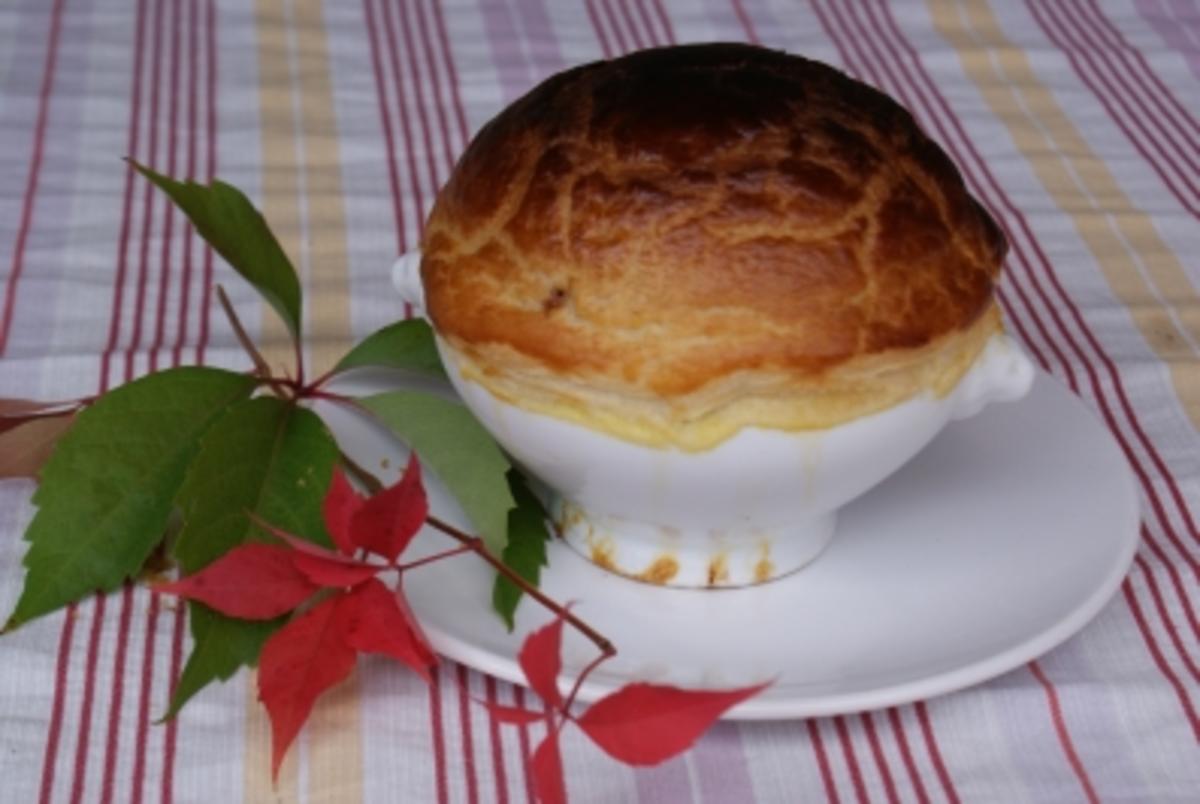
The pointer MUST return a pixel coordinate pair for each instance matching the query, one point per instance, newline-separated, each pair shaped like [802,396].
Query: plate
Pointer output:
[995,544]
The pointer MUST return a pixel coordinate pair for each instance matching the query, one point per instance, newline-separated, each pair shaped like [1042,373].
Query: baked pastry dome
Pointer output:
[685,241]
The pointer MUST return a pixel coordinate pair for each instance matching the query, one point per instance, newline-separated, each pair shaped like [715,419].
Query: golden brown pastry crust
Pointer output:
[705,217]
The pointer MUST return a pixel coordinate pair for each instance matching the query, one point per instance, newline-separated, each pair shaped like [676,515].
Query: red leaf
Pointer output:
[643,724]
[548,771]
[299,662]
[371,620]
[341,504]
[515,715]
[541,661]
[387,521]
[340,573]
[252,582]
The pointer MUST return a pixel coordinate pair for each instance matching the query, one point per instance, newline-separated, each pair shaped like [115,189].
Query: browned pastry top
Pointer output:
[660,222]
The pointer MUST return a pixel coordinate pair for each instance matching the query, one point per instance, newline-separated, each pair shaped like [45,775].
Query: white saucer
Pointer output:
[998,542]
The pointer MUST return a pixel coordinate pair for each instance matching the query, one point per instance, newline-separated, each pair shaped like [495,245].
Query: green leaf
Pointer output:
[525,552]
[229,222]
[220,647]
[267,457]
[107,490]
[456,447]
[404,345]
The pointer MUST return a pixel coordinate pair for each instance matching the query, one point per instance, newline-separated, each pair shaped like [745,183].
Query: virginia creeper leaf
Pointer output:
[250,582]
[25,448]
[371,621]
[386,521]
[456,448]
[301,545]
[406,345]
[541,661]
[237,231]
[644,724]
[107,489]
[324,572]
[338,508]
[265,457]
[525,552]
[299,662]
[548,771]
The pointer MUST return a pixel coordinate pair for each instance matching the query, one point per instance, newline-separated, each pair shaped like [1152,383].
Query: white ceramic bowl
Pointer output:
[758,505]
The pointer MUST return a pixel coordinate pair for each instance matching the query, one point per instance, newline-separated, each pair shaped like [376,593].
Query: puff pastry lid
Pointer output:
[684,241]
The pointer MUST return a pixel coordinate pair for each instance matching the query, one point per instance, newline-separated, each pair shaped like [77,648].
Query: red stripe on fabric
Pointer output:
[143,274]
[168,208]
[193,91]
[419,92]
[143,721]
[860,787]
[935,753]
[65,641]
[448,58]
[618,36]
[464,724]
[814,736]
[601,36]
[1064,736]
[386,121]
[665,19]
[1156,654]
[523,743]
[427,38]
[172,735]
[170,738]
[744,19]
[89,695]
[437,734]
[210,38]
[885,772]
[648,24]
[906,754]
[1147,70]
[117,695]
[1165,616]
[54,733]
[1125,67]
[1028,266]
[497,746]
[402,104]
[35,171]
[1177,583]
[1050,25]
[114,322]
[625,14]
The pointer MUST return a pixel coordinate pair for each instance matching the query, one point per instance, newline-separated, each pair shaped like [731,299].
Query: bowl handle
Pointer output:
[406,278]
[1002,373]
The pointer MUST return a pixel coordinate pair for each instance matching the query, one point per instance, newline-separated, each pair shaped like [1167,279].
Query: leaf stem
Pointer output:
[453,551]
[260,363]
[603,657]
[476,546]
[369,481]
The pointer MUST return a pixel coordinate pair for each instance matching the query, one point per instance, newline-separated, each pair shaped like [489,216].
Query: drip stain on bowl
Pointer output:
[718,569]
[764,570]
[660,571]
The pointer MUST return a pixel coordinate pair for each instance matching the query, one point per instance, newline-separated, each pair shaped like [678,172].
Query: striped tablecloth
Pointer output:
[1075,121]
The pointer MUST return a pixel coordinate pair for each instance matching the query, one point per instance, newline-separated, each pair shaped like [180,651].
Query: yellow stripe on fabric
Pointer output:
[302,199]
[1142,271]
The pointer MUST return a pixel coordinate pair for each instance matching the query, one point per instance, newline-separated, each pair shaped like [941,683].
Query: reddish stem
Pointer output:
[260,363]
[454,551]
[476,546]
[603,657]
